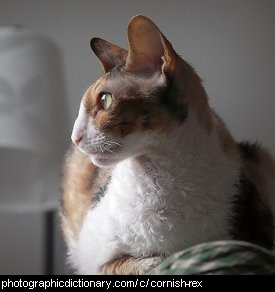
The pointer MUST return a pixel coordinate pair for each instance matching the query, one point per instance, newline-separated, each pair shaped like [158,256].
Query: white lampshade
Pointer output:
[33,121]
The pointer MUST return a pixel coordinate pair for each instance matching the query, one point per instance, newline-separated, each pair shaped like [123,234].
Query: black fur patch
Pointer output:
[145,118]
[249,151]
[100,194]
[252,220]
[169,98]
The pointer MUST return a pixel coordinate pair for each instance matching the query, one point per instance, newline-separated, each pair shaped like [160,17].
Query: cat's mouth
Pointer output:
[104,151]
[104,157]
[101,153]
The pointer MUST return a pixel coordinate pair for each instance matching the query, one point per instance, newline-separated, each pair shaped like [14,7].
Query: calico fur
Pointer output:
[159,171]
[252,220]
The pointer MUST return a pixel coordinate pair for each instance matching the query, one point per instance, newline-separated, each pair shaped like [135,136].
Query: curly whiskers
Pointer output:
[100,144]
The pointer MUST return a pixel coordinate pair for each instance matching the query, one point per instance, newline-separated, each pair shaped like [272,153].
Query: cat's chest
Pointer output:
[145,183]
[146,211]
[146,207]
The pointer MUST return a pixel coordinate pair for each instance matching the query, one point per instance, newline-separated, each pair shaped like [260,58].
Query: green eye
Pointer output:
[106,100]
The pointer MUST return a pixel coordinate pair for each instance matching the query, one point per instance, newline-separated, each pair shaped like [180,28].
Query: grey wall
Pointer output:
[230,43]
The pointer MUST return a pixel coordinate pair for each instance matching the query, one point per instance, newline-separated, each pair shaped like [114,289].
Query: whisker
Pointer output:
[112,142]
[109,150]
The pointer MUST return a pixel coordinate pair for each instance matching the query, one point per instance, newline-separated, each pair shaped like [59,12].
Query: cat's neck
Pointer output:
[191,158]
[188,142]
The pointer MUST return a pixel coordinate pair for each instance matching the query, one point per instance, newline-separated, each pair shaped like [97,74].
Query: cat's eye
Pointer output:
[106,100]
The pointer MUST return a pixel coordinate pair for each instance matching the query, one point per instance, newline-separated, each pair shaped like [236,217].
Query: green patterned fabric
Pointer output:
[219,258]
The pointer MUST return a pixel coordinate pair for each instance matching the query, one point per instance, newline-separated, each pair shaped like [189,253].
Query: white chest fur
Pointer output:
[160,206]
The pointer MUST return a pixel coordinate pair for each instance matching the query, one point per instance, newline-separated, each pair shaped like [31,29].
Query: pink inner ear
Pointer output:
[145,46]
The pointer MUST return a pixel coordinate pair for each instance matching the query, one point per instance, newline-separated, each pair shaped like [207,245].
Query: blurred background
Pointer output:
[46,64]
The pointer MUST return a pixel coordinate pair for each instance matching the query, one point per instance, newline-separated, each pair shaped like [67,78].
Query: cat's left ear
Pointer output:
[149,50]
[108,54]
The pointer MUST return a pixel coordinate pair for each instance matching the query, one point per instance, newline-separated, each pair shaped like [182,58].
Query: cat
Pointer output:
[153,169]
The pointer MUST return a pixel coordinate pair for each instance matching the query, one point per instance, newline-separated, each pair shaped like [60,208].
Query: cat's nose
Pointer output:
[78,133]
[77,139]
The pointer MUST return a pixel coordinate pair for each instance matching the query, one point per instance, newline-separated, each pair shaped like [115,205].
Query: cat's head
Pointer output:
[135,104]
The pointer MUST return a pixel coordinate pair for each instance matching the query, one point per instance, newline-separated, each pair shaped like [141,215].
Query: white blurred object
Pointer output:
[33,120]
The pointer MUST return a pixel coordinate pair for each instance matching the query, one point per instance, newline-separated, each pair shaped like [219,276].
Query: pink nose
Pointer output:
[77,140]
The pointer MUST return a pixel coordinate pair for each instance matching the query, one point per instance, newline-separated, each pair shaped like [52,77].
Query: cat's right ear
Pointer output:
[108,54]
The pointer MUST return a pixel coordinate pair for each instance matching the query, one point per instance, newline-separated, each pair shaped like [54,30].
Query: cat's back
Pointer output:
[254,205]
[260,167]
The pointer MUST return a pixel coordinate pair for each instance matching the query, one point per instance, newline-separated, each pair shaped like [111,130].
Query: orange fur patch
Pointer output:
[133,110]
[78,172]
[81,182]
[195,94]
[125,265]
[91,98]
[228,144]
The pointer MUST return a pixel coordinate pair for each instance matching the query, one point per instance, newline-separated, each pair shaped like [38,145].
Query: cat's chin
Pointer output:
[106,160]
[103,161]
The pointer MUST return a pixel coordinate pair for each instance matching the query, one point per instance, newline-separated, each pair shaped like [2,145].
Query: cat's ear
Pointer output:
[149,50]
[108,54]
